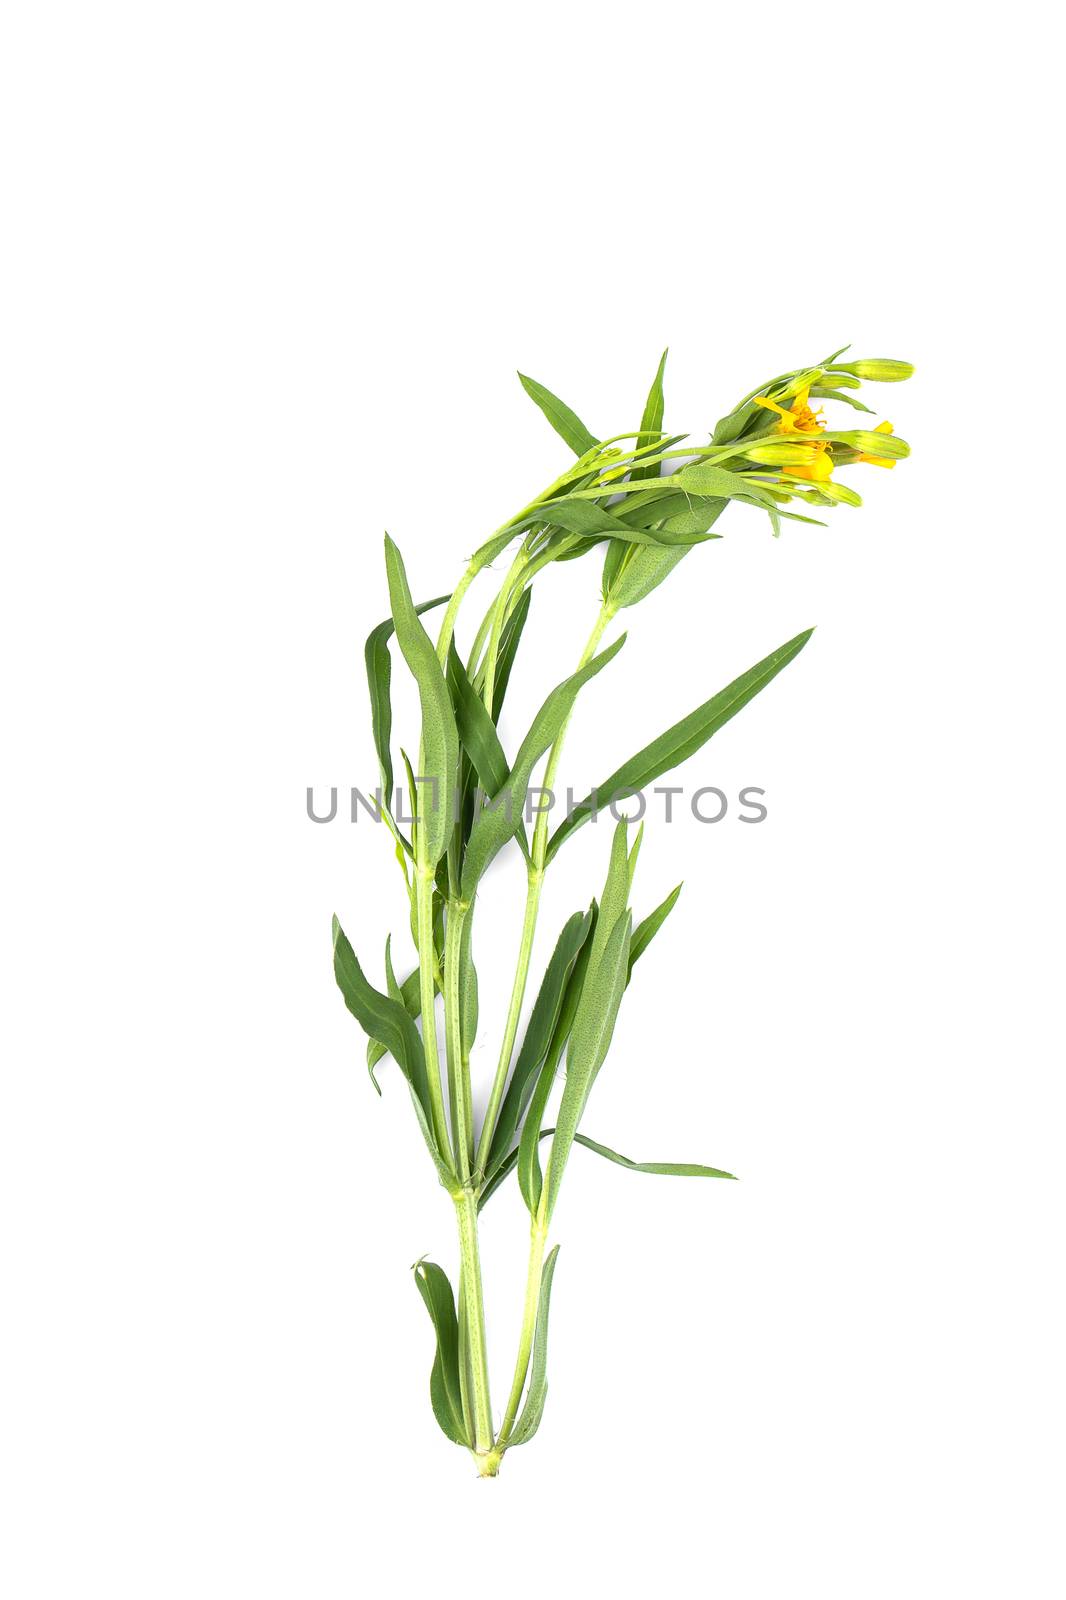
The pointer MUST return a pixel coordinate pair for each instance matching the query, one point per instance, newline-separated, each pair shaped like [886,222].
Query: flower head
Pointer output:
[797,418]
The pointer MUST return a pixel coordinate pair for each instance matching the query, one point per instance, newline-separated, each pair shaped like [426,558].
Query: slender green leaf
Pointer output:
[578,514]
[440,737]
[645,931]
[387,1021]
[818,393]
[589,1042]
[652,421]
[411,997]
[567,425]
[509,642]
[502,816]
[615,896]
[702,478]
[681,741]
[530,1178]
[379,680]
[468,989]
[539,1031]
[444,1389]
[533,1410]
[477,731]
[666,1169]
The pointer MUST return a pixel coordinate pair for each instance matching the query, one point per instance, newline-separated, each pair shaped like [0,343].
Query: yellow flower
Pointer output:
[878,461]
[798,418]
[818,469]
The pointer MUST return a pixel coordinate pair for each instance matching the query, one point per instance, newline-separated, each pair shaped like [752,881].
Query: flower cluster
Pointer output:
[782,441]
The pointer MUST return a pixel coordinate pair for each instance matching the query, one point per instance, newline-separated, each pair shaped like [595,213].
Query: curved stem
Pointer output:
[447,627]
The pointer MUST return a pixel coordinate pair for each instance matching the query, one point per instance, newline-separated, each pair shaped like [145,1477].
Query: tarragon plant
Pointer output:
[644,500]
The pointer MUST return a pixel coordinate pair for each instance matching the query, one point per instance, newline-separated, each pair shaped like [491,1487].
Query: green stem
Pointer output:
[447,627]
[458,1072]
[529,922]
[514,1012]
[538,1239]
[499,615]
[427,963]
[474,1312]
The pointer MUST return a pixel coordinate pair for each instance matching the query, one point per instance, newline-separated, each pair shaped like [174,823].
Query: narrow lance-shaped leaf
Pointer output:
[584,516]
[615,896]
[589,1043]
[411,997]
[645,931]
[665,1169]
[652,421]
[477,731]
[379,681]
[539,1031]
[387,1020]
[567,425]
[502,816]
[530,1178]
[681,741]
[440,738]
[444,1388]
[533,1410]
[510,639]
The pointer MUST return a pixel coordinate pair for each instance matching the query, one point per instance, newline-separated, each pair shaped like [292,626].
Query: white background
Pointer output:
[268,273]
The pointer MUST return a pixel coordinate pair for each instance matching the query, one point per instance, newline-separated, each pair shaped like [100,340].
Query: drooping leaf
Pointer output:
[538,1034]
[674,746]
[440,737]
[567,425]
[387,1021]
[666,1169]
[444,1388]
[379,680]
[500,819]
[533,1410]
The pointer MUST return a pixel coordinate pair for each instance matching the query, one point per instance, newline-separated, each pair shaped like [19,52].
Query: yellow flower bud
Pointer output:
[882,442]
[779,453]
[839,492]
[798,382]
[880,371]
